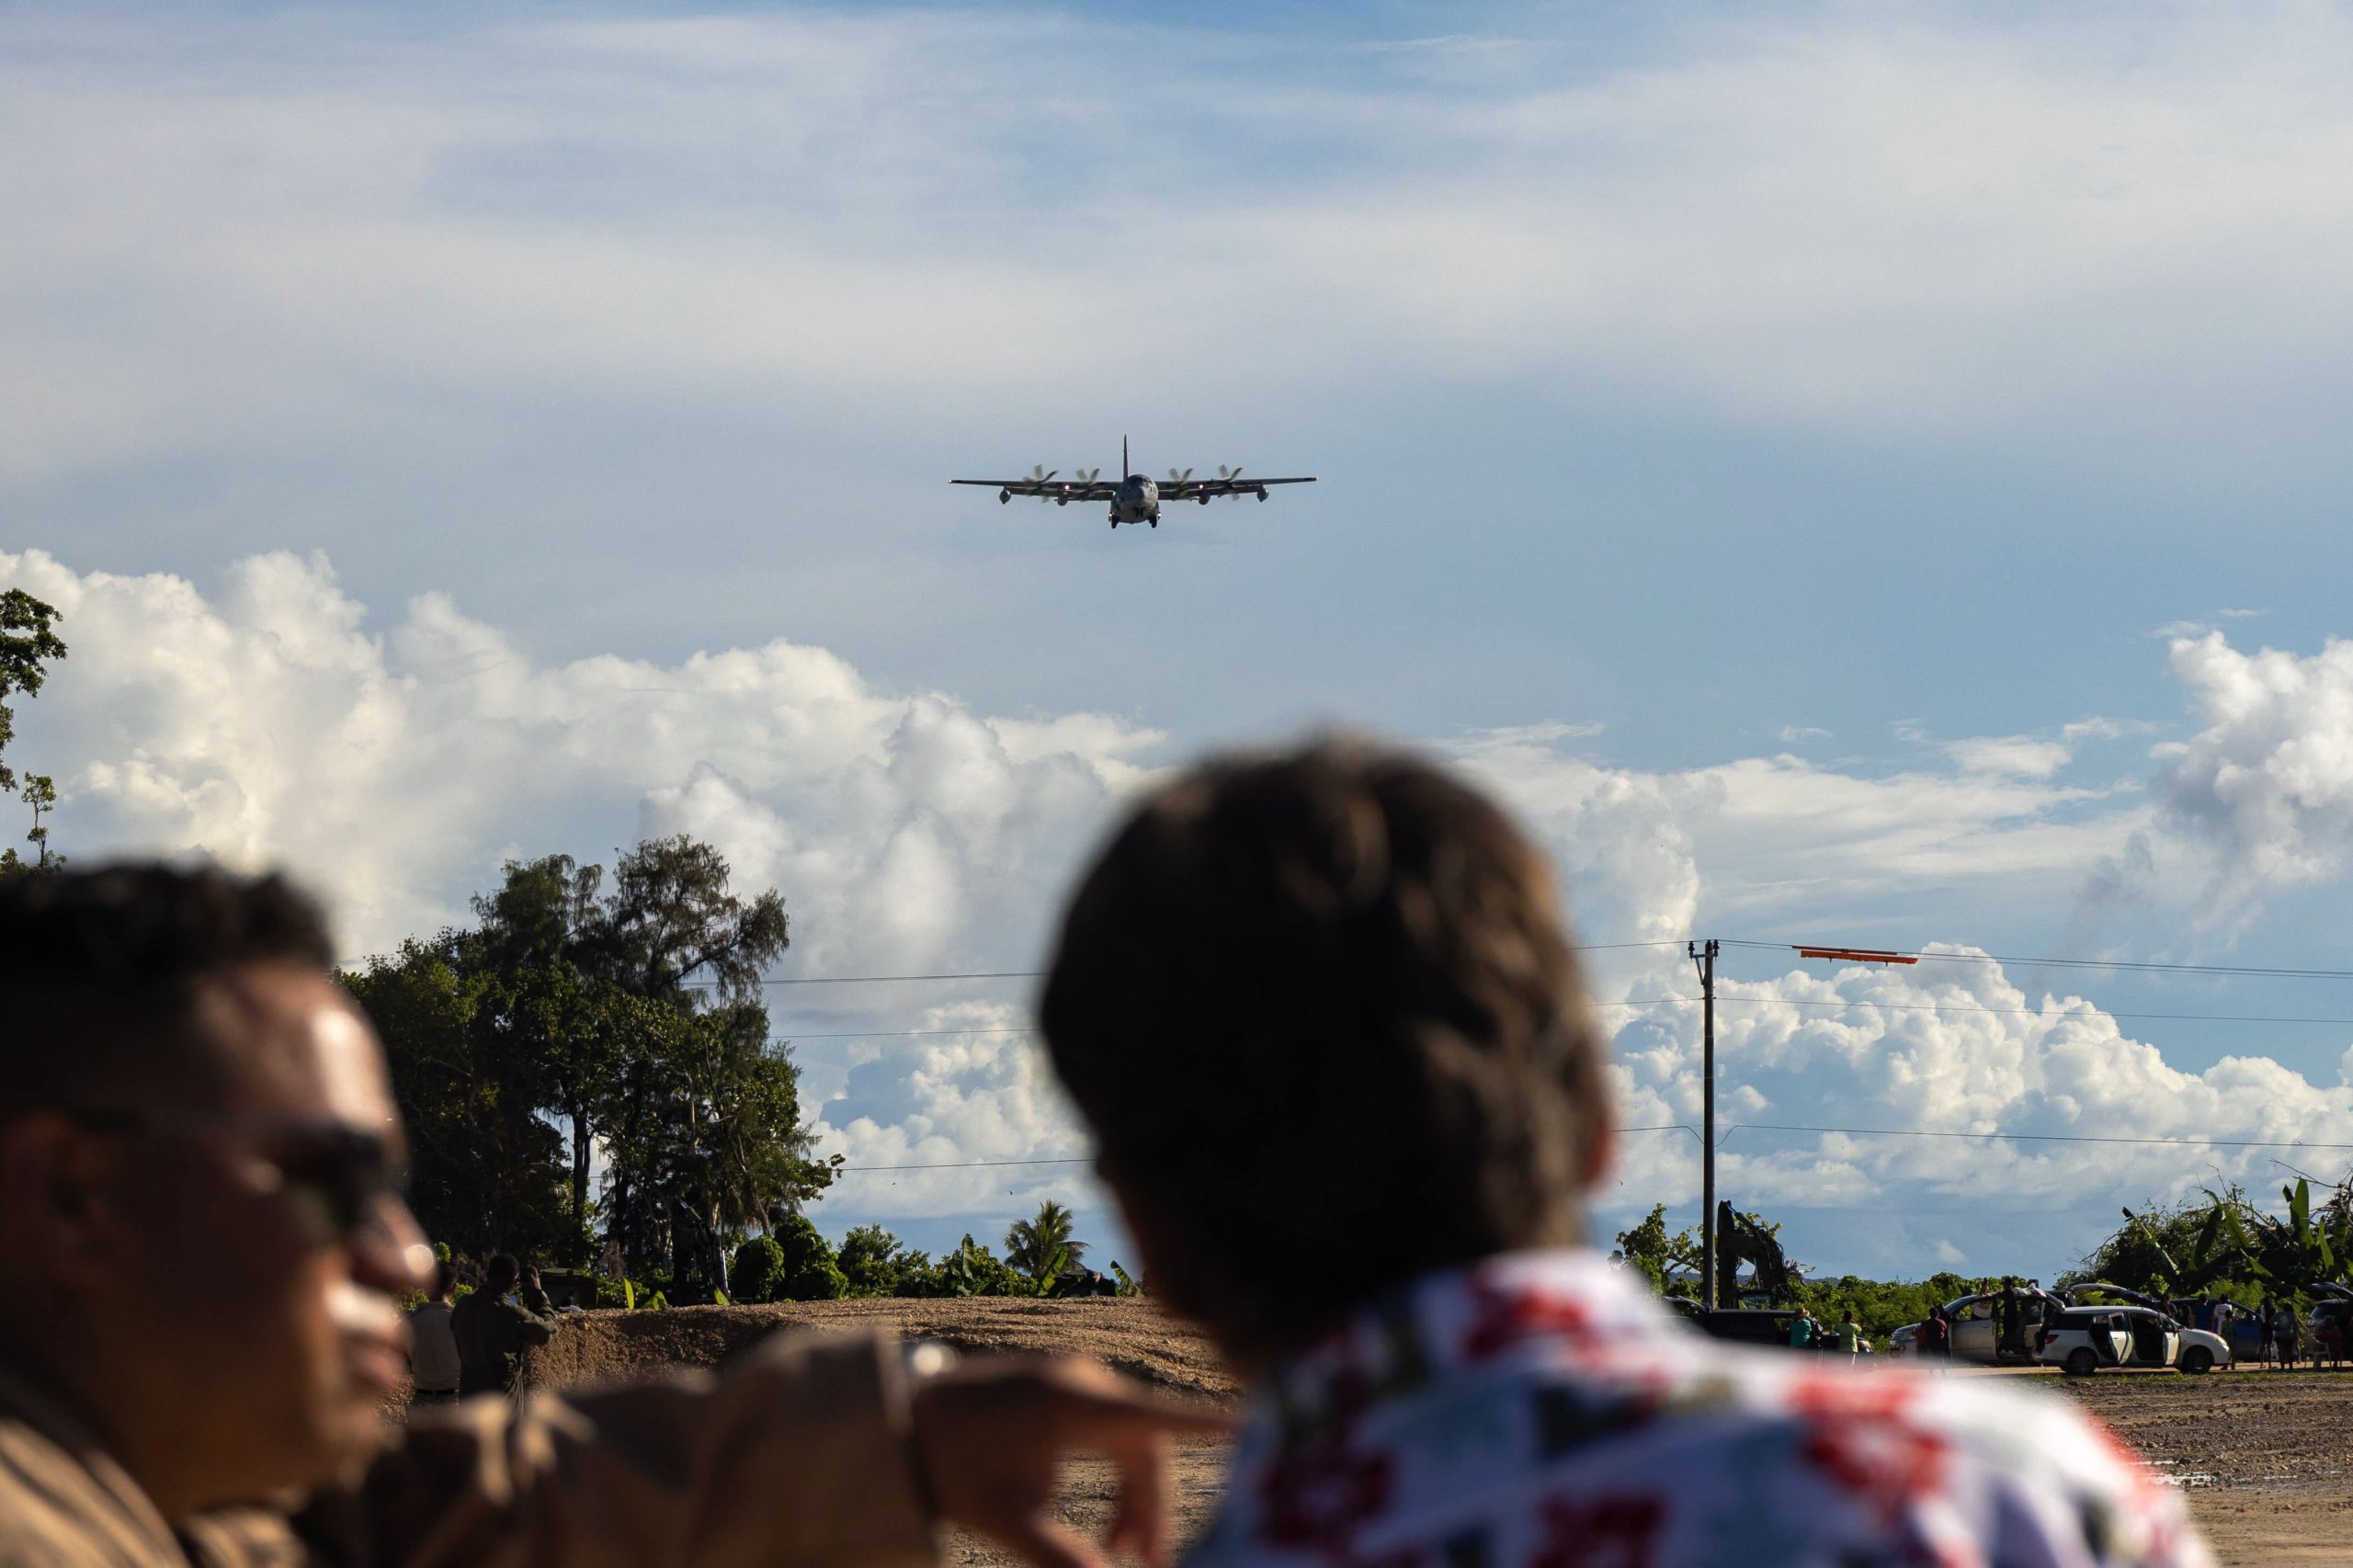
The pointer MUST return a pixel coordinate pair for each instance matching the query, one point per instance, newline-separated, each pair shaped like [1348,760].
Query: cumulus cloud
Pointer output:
[272,724]
[1953,1047]
[271,720]
[955,1122]
[2267,784]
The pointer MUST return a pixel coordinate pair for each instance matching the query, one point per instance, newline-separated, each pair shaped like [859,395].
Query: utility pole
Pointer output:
[1703,958]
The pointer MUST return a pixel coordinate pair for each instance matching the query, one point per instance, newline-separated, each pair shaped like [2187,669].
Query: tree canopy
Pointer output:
[29,643]
[579,1022]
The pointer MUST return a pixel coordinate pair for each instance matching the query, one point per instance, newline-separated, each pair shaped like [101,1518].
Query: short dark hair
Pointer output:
[103,971]
[1322,1012]
[501,1274]
[445,1277]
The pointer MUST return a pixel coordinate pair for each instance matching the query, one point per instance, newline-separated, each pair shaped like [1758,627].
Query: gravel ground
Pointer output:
[2266,1458]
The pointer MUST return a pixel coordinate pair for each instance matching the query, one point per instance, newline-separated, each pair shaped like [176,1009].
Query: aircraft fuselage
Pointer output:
[1138,500]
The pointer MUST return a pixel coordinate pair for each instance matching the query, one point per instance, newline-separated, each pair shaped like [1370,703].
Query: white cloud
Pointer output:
[2267,784]
[1933,232]
[270,723]
[950,1103]
[1953,1047]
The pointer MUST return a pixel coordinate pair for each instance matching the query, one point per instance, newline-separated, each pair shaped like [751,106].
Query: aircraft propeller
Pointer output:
[1229,474]
[1086,475]
[1041,473]
[1176,478]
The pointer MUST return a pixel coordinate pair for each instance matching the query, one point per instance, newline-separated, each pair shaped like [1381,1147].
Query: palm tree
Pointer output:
[1040,1248]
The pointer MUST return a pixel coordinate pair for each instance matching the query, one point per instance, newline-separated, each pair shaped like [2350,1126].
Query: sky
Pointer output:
[1866,474]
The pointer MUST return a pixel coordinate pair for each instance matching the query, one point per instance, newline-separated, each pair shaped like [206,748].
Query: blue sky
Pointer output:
[1835,468]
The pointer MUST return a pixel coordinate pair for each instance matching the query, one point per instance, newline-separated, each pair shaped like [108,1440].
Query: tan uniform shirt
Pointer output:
[798,1456]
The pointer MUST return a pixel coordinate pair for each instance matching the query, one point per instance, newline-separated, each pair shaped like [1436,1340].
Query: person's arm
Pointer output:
[811,1451]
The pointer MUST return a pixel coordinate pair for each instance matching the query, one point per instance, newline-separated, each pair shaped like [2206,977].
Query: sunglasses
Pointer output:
[337,1179]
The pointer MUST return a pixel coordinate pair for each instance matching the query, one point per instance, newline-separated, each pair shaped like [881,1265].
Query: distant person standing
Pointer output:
[1934,1338]
[493,1331]
[2263,1320]
[2012,1311]
[435,1372]
[1803,1331]
[1850,1338]
[2284,1334]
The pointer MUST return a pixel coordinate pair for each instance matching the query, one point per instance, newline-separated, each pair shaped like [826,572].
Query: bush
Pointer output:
[758,1271]
[810,1272]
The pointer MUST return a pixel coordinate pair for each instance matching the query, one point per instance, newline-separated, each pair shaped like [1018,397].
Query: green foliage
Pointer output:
[1128,1287]
[29,641]
[810,1272]
[874,1264]
[973,1270]
[2226,1247]
[758,1270]
[1648,1248]
[1880,1306]
[1039,1249]
[580,1016]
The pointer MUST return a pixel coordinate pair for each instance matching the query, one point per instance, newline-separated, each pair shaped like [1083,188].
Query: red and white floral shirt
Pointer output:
[1542,1410]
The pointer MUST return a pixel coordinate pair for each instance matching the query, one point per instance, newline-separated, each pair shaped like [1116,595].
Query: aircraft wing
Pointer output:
[1050,490]
[1241,484]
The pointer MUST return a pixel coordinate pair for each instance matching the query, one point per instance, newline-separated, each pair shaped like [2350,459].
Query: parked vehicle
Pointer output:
[2152,1338]
[1976,1327]
[2084,1339]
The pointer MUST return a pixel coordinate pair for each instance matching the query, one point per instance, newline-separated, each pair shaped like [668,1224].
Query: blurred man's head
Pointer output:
[445,1280]
[1323,1018]
[500,1275]
[199,1245]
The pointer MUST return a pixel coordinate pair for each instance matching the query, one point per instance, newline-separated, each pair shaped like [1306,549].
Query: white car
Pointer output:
[2084,1339]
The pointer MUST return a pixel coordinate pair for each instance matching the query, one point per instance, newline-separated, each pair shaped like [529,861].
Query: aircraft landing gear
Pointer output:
[1115,522]
[1155,522]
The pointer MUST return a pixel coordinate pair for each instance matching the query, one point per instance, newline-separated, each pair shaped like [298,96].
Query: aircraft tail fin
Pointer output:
[1123,457]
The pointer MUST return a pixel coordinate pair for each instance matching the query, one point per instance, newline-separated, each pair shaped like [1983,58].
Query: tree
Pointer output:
[1648,1248]
[1041,1249]
[28,641]
[578,1006]
[873,1263]
[811,1273]
[485,1172]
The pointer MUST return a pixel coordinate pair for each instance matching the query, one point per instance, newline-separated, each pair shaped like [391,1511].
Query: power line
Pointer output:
[1040,973]
[2138,966]
[1855,1006]
[1081,1160]
[2036,1137]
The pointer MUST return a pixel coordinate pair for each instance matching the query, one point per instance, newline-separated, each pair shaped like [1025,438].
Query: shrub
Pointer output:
[758,1271]
[810,1272]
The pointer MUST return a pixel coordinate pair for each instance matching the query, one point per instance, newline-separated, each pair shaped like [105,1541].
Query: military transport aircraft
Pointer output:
[1134,499]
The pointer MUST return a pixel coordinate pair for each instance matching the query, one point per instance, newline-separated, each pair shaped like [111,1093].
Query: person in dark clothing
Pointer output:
[1934,1336]
[2013,1321]
[493,1331]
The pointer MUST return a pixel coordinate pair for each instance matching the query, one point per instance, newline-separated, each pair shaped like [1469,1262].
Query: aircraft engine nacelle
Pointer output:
[1063,499]
[1203,497]
[1262,493]
[1003,496]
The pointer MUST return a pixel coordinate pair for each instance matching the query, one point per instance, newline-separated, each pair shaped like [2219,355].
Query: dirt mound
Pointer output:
[1131,1334]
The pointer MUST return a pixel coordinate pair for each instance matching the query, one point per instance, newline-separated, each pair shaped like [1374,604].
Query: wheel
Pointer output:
[2081,1362]
[1115,522]
[2196,1360]
[1155,522]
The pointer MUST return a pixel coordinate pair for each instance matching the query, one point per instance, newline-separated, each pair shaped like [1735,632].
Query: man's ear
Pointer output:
[55,1199]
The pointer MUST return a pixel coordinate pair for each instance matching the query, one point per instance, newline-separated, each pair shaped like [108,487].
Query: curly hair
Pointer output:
[1321,1010]
[103,970]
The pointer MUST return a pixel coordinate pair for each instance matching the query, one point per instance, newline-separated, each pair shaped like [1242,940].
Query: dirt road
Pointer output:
[2263,1457]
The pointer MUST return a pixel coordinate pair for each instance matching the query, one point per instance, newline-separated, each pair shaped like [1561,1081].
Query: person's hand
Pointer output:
[988,1434]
